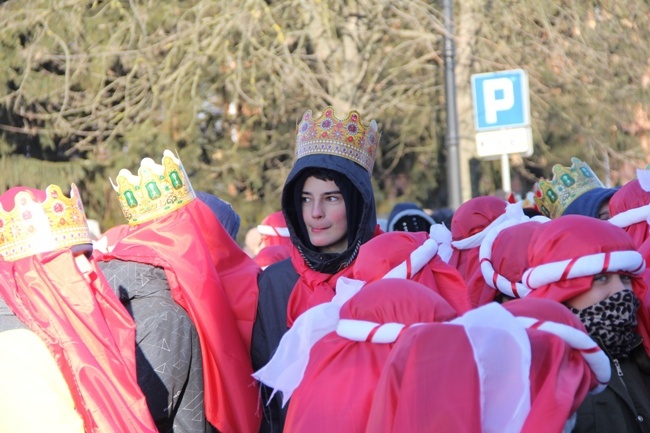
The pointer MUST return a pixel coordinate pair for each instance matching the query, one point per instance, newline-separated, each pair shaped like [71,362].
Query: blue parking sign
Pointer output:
[500,100]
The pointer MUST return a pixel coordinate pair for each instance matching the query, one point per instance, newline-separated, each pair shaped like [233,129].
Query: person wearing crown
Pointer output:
[329,207]
[574,190]
[66,363]
[192,292]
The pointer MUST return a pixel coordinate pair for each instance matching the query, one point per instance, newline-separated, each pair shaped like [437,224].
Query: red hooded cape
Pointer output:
[431,381]
[340,369]
[470,218]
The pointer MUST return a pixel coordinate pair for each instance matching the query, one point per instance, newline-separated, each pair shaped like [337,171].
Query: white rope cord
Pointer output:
[371,332]
[635,215]
[631,216]
[442,235]
[592,264]
[475,240]
[416,261]
[514,289]
[273,231]
[595,357]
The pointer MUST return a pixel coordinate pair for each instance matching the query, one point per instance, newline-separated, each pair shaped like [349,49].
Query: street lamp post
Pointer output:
[451,138]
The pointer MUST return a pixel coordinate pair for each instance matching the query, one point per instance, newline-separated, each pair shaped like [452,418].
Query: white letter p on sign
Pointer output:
[494,104]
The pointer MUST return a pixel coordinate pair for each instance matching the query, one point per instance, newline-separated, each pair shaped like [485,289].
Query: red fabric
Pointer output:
[430,381]
[89,333]
[312,288]
[509,255]
[346,371]
[216,283]
[8,198]
[383,253]
[631,196]
[272,254]
[559,376]
[470,218]
[276,220]
[574,236]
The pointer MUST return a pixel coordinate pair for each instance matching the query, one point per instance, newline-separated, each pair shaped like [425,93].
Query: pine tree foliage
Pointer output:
[94,86]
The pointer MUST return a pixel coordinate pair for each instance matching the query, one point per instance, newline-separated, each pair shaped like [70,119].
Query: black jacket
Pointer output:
[624,406]
[168,353]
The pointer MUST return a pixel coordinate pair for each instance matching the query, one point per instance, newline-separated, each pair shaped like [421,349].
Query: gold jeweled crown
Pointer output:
[156,191]
[568,183]
[347,138]
[33,226]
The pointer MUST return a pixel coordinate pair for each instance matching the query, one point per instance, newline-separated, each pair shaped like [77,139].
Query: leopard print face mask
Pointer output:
[612,321]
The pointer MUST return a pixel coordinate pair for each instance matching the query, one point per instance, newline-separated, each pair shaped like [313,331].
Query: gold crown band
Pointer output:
[33,227]
[156,191]
[568,183]
[347,138]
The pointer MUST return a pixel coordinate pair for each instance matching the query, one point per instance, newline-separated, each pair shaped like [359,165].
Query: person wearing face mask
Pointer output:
[599,278]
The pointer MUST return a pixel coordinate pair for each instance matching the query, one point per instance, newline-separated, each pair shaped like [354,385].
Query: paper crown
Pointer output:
[347,138]
[36,225]
[568,183]
[156,191]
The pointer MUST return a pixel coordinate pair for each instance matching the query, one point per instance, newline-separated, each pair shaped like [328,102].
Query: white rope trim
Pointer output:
[631,216]
[592,264]
[441,234]
[514,289]
[644,178]
[273,231]
[476,239]
[595,357]
[418,259]
[360,330]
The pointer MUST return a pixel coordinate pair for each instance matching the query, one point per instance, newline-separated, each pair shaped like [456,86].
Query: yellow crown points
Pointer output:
[568,183]
[41,221]
[347,138]
[156,191]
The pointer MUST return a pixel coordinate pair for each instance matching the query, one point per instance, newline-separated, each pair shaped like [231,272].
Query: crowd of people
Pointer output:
[502,316]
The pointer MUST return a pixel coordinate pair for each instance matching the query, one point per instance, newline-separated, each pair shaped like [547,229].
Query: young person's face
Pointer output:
[604,286]
[324,213]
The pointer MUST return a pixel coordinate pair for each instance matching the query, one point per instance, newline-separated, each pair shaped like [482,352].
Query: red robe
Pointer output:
[214,280]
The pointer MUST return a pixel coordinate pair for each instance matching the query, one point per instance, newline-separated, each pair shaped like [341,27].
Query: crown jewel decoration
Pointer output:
[568,183]
[32,227]
[157,190]
[347,138]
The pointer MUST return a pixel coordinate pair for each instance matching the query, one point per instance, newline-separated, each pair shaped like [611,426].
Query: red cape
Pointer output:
[215,281]
[88,332]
